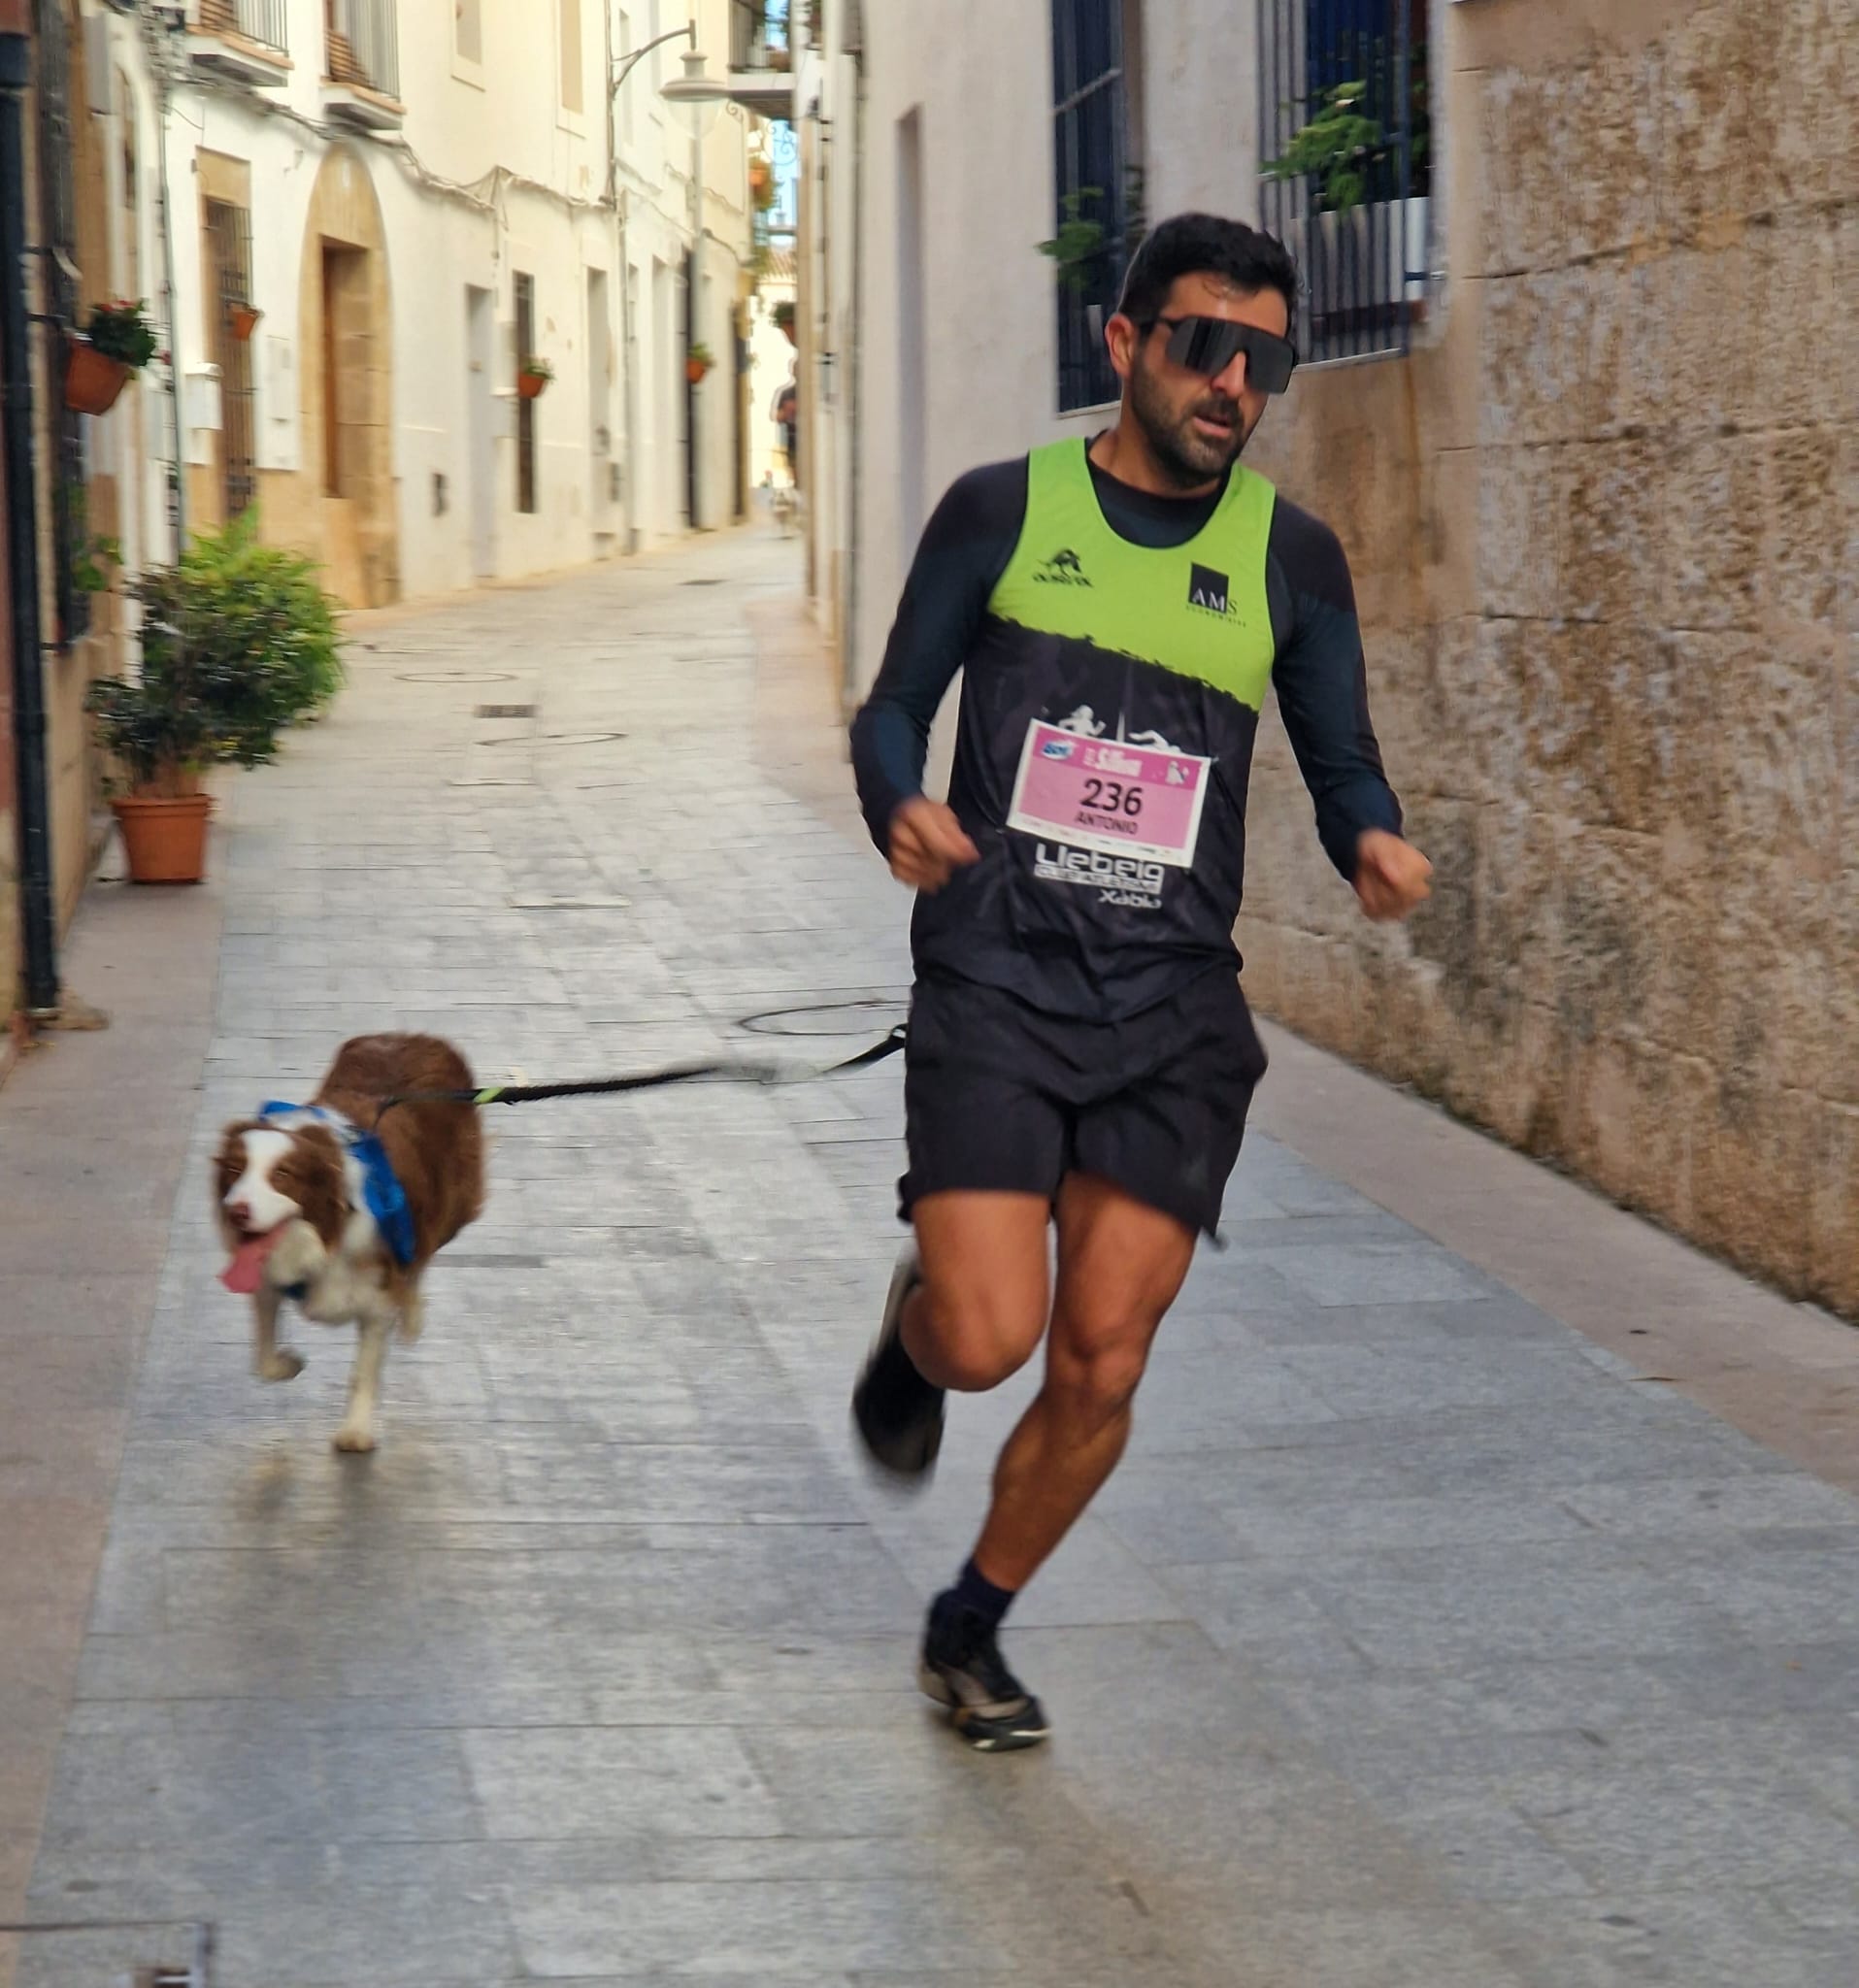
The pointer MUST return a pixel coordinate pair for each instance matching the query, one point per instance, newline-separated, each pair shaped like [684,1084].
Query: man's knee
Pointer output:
[1099,1372]
[979,1338]
[1100,1349]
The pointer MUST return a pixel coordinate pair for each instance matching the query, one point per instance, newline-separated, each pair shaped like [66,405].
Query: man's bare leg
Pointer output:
[1121,1264]
[975,1319]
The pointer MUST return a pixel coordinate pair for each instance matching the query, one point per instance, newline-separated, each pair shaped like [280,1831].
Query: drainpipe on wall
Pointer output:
[854,44]
[162,59]
[39,930]
[692,333]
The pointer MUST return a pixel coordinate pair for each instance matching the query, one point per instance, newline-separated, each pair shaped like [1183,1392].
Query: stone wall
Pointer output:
[1605,534]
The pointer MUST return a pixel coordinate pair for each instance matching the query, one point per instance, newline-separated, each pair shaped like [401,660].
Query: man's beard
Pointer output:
[1186,457]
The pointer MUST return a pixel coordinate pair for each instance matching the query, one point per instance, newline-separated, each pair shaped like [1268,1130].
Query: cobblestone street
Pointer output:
[1422,1641]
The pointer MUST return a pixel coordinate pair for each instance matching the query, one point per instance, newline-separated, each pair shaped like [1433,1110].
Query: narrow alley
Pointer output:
[1423,1641]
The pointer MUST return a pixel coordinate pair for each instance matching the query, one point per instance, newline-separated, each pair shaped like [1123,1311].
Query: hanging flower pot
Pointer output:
[92,379]
[533,377]
[244,320]
[761,183]
[164,837]
[697,362]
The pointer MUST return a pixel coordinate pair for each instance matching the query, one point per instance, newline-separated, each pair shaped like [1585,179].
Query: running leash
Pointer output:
[650,1079]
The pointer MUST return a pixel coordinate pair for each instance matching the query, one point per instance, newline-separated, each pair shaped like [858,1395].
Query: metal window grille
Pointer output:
[1096,209]
[257,20]
[363,45]
[229,246]
[1355,219]
[526,295]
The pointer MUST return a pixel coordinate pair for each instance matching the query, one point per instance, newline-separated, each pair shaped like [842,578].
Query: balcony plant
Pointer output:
[238,642]
[1337,147]
[1079,246]
[533,377]
[697,362]
[117,340]
[784,320]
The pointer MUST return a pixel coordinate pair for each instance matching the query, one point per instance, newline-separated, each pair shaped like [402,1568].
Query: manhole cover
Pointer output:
[556,739]
[571,904]
[455,676]
[855,1018]
[504,710]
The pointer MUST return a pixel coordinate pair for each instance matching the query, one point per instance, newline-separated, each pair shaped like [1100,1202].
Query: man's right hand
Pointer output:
[928,843]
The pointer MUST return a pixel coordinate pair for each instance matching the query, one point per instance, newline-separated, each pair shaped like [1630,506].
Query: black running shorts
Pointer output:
[1000,1096]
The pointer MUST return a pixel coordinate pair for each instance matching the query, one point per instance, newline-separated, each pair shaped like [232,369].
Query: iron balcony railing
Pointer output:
[1346,157]
[364,47]
[759,41]
[263,21]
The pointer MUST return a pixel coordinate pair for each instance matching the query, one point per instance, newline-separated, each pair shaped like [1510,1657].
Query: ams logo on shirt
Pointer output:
[1063,568]
[1209,591]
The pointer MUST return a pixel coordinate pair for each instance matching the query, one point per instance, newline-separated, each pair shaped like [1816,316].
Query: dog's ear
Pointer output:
[311,1173]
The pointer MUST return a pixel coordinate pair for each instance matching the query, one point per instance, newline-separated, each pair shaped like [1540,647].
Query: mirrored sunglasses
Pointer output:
[1209,344]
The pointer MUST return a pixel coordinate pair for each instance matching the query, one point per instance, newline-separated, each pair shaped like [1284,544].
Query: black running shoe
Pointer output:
[898,1412]
[963,1668]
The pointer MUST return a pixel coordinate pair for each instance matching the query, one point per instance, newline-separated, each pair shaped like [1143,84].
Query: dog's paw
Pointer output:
[283,1365]
[353,1441]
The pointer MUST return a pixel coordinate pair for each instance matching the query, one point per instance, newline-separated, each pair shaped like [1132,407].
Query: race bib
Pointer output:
[1098,794]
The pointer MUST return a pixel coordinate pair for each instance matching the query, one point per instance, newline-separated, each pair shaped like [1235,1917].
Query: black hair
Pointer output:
[1205,245]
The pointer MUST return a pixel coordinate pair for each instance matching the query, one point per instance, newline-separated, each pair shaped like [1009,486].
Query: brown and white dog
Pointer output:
[298,1191]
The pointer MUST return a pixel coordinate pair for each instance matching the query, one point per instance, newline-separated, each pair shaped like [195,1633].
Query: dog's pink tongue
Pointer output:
[246,1270]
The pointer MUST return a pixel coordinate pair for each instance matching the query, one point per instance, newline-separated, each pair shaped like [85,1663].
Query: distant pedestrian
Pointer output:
[787,419]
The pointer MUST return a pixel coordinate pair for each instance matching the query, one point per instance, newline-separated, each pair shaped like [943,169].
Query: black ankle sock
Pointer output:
[976,1594]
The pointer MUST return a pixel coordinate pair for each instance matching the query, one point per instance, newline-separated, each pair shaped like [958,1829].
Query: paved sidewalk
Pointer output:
[1421,1642]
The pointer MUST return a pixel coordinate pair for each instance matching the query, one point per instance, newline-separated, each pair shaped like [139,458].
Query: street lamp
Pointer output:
[696,85]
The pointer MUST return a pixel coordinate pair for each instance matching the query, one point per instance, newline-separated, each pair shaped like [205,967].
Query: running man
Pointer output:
[1079,1050]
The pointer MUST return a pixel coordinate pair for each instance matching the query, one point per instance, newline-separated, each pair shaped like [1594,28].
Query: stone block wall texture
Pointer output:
[1606,538]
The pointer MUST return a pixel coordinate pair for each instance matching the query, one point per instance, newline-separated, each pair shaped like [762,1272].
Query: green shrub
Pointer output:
[238,641]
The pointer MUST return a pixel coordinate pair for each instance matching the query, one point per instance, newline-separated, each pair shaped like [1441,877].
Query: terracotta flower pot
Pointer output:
[244,320]
[165,840]
[531,386]
[91,380]
[694,371]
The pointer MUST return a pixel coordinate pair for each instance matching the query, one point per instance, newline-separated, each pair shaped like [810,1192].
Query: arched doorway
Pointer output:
[346,335]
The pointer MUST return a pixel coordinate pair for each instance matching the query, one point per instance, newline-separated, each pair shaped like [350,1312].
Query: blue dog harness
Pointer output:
[381,1193]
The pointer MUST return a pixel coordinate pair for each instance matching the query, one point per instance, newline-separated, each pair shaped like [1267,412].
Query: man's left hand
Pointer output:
[1391,876]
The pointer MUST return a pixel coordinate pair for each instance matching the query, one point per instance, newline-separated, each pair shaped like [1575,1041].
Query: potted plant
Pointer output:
[118,341]
[533,376]
[244,320]
[761,183]
[784,320]
[697,362]
[238,641]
